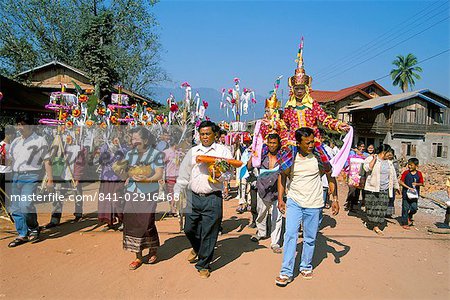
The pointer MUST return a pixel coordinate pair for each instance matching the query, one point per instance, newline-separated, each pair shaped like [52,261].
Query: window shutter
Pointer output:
[404,149]
[413,150]
[434,150]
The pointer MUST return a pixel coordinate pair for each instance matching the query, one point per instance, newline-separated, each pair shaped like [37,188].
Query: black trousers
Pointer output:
[203,218]
[253,203]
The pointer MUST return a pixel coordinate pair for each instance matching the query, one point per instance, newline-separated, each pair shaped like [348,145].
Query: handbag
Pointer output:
[412,195]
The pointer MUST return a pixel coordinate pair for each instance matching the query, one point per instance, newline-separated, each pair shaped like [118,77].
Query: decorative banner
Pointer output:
[119,98]
[237,101]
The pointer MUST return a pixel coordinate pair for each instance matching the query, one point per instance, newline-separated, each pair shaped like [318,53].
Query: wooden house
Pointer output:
[21,100]
[415,124]
[51,76]
[28,93]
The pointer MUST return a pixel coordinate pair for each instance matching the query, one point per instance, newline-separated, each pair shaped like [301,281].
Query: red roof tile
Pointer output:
[328,96]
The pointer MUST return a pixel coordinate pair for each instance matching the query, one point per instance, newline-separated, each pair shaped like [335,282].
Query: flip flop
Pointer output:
[276,249]
[152,259]
[17,242]
[135,264]
[307,274]
[378,231]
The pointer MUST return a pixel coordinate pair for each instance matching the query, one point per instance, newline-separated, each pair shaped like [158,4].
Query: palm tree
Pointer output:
[405,72]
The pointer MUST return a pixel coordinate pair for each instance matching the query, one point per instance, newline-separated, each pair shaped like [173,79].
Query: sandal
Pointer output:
[106,228]
[34,236]
[276,249]
[152,259]
[283,280]
[307,274]
[135,264]
[17,242]
[378,231]
[241,209]
[152,256]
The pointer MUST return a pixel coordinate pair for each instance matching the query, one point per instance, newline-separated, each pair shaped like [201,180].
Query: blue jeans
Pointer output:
[309,218]
[409,208]
[23,212]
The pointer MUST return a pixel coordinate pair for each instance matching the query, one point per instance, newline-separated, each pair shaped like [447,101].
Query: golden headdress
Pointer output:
[300,78]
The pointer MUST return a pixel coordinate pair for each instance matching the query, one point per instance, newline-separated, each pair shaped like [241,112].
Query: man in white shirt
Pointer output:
[204,198]
[304,204]
[9,135]
[27,154]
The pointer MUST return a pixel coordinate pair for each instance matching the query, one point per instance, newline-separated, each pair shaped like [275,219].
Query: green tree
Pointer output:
[96,46]
[115,41]
[406,71]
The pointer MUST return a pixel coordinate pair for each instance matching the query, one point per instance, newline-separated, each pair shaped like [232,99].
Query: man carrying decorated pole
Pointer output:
[204,198]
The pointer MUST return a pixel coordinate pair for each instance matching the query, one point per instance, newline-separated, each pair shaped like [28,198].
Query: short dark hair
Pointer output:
[413,160]
[25,120]
[273,136]
[205,124]
[303,132]
[383,148]
[145,135]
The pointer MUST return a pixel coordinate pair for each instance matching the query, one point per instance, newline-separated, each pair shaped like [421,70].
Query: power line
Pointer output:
[424,60]
[351,55]
[380,46]
[378,54]
[361,51]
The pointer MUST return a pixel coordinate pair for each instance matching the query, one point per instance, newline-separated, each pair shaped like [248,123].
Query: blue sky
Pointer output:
[208,43]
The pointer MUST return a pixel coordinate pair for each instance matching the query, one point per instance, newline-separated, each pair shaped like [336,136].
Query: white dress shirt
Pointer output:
[195,175]
[28,154]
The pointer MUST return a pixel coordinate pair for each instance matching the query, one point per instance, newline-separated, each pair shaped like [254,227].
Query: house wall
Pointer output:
[374,91]
[392,126]
[424,147]
[53,77]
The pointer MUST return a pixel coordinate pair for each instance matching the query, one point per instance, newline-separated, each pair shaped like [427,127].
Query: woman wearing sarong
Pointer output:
[145,169]
[391,206]
[380,185]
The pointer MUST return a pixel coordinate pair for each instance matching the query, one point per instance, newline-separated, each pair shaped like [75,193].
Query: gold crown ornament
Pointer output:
[272,102]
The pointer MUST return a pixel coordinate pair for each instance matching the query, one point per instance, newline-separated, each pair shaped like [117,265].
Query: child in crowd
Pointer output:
[411,181]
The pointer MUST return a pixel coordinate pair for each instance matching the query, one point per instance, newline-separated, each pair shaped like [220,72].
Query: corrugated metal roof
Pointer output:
[379,102]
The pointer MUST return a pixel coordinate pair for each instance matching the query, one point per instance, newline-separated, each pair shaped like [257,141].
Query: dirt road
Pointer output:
[77,261]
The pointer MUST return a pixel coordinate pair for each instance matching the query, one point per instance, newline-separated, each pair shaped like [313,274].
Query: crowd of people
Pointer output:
[297,193]
[289,169]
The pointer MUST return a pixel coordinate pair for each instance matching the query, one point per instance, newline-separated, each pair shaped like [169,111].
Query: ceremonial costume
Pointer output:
[309,113]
